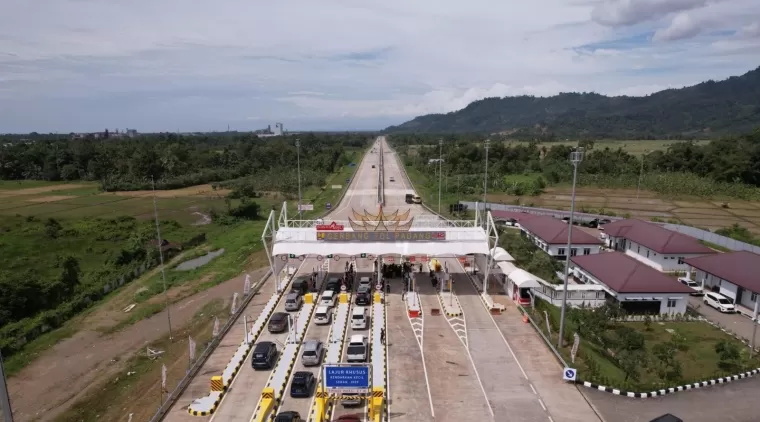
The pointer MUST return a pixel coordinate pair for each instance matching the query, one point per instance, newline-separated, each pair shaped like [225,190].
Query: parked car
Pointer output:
[288,416]
[359,318]
[697,287]
[365,281]
[357,349]
[323,315]
[333,285]
[278,323]
[264,355]
[719,302]
[302,384]
[363,296]
[313,353]
[352,402]
[293,301]
[328,299]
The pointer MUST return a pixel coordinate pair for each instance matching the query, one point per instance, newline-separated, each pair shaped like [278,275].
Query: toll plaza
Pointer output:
[377,236]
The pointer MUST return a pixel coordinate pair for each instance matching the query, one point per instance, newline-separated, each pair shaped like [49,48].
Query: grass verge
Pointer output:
[137,387]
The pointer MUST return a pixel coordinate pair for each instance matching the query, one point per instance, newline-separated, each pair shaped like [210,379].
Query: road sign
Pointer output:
[328,206]
[411,259]
[302,257]
[320,257]
[347,379]
[379,286]
[364,255]
[284,257]
[330,256]
[370,257]
[462,259]
[348,181]
[388,258]
[292,256]
[306,207]
[342,287]
[336,257]
[423,258]
[569,374]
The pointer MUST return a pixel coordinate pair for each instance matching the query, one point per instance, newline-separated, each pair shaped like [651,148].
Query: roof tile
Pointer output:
[656,237]
[554,231]
[740,268]
[625,274]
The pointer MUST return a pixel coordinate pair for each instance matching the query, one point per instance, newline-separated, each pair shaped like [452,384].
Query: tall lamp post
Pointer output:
[641,173]
[575,157]
[298,158]
[440,167]
[487,144]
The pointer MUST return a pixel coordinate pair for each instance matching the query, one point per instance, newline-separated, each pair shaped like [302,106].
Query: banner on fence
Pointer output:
[247,285]
[548,326]
[163,377]
[215,331]
[233,306]
[576,343]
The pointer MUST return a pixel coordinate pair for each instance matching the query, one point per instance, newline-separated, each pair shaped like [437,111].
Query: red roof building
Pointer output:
[735,275]
[653,244]
[638,287]
[550,235]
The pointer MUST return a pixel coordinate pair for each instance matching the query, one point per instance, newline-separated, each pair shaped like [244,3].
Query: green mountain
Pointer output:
[704,110]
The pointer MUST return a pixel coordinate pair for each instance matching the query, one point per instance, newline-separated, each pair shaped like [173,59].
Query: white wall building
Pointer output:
[735,275]
[550,235]
[654,245]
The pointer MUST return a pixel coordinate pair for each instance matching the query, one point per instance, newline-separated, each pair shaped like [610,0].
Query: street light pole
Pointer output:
[440,172]
[298,158]
[641,173]
[161,257]
[575,157]
[5,399]
[485,182]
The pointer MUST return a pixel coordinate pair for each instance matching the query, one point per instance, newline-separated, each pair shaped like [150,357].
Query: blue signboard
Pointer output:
[348,180]
[347,379]
[328,206]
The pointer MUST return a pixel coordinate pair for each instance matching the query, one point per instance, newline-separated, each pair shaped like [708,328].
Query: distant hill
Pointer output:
[710,108]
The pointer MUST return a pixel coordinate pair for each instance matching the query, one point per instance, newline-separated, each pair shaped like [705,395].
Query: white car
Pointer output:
[697,287]
[357,349]
[719,302]
[365,281]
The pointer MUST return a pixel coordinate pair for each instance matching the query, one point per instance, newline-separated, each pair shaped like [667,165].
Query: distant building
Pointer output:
[550,235]
[732,274]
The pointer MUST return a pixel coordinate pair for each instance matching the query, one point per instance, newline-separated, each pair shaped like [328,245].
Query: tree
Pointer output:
[728,353]
[52,228]
[667,365]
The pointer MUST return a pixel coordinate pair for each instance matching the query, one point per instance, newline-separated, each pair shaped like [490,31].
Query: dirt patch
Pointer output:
[633,206]
[200,190]
[715,223]
[691,215]
[744,212]
[50,198]
[701,211]
[687,204]
[738,205]
[66,372]
[41,189]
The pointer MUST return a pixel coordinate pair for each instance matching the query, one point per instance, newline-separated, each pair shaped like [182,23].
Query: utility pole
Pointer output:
[440,171]
[641,173]
[485,183]
[754,328]
[5,399]
[161,257]
[298,155]
[575,157]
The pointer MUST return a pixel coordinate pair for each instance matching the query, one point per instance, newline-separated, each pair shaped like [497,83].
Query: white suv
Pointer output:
[697,287]
[357,349]
[719,302]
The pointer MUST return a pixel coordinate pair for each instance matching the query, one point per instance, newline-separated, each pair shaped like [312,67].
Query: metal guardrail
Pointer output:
[695,232]
[193,371]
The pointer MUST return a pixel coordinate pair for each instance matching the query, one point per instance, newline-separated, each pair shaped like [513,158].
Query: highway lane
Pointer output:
[364,269]
[314,332]
[240,401]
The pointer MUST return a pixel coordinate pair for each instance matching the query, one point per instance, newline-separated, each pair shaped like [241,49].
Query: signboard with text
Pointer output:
[421,236]
[330,227]
[347,380]
[306,207]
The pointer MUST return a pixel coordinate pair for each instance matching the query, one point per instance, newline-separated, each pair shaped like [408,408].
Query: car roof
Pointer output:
[311,344]
[279,315]
[358,310]
[322,309]
[302,374]
[292,295]
[264,345]
[328,293]
[357,338]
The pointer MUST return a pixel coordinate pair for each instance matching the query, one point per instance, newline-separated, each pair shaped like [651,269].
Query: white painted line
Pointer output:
[542,404]
[420,342]
[472,361]
[387,365]
[534,389]
[249,355]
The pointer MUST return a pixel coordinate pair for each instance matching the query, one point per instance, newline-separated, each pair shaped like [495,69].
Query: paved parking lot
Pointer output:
[737,323]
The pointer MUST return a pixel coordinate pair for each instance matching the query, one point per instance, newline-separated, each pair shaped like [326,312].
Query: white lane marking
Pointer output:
[472,362]
[542,404]
[356,181]
[534,389]
[420,342]
[219,406]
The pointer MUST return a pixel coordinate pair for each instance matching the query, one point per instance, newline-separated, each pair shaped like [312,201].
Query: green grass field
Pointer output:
[635,147]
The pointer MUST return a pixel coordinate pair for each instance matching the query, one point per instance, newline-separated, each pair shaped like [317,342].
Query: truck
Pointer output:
[409,198]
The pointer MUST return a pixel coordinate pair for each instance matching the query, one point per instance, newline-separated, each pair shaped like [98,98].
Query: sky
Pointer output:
[191,65]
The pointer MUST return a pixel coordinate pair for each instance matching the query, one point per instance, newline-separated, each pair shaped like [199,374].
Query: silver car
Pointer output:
[313,353]
[293,302]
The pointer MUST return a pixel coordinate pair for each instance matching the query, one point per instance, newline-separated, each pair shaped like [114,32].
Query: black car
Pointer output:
[302,385]
[300,286]
[333,284]
[278,323]
[363,299]
[288,416]
[264,355]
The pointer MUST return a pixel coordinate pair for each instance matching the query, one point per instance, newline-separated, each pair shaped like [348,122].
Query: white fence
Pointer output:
[695,232]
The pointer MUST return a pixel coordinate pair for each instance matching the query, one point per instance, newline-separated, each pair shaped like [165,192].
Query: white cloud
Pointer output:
[196,64]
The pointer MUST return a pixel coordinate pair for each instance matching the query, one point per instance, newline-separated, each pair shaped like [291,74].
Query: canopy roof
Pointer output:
[524,279]
[457,241]
[506,267]
[500,254]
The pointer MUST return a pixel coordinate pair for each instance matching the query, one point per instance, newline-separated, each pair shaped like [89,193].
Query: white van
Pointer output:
[359,318]
[328,298]
[357,349]
[322,316]
[719,302]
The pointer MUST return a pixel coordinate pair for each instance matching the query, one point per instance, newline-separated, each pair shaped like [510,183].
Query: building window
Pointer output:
[586,251]
[680,260]
[754,297]
[561,251]
[671,303]
[573,252]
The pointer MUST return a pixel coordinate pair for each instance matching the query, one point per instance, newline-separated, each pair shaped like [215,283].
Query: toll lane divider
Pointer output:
[271,397]
[193,371]
[453,310]
[379,360]
[338,331]
[207,405]
[485,298]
